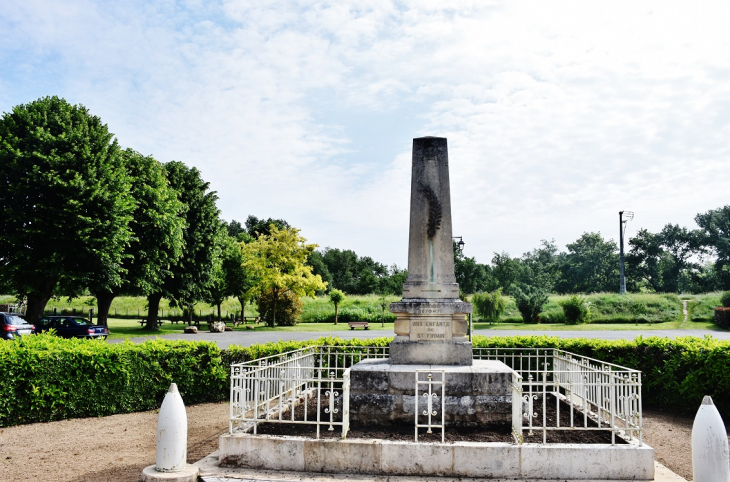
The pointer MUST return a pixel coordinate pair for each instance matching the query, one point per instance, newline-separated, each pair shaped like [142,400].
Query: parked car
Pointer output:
[71,327]
[12,326]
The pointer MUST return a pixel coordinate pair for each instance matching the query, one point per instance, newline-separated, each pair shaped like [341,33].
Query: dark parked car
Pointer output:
[12,326]
[71,327]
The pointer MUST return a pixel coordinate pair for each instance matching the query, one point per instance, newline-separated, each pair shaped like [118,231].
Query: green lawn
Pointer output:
[609,311]
[123,328]
[671,325]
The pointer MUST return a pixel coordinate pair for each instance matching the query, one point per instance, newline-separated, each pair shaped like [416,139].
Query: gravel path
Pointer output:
[118,447]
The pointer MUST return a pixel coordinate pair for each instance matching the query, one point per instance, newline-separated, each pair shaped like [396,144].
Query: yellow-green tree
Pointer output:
[278,261]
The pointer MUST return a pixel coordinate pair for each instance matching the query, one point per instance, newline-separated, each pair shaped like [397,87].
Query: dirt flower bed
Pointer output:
[117,448]
[406,432]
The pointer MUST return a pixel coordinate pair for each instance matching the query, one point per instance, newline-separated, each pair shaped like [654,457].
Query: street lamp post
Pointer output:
[461,242]
[622,227]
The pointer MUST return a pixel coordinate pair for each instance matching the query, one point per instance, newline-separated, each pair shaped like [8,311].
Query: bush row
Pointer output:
[48,378]
[608,308]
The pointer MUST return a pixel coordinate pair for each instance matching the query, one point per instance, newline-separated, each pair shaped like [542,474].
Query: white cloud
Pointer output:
[558,114]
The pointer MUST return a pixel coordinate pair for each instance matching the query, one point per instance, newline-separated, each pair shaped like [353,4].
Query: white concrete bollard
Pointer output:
[172,433]
[710,453]
[172,443]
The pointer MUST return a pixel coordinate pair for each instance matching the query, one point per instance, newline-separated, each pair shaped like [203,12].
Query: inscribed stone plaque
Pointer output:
[436,329]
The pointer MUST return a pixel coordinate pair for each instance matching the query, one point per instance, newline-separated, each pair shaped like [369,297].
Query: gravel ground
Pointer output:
[118,447]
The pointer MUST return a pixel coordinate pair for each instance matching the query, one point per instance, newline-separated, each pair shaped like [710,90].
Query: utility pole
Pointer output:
[622,227]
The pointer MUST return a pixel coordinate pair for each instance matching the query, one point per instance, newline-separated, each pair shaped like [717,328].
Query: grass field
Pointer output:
[702,307]
[609,311]
[126,328]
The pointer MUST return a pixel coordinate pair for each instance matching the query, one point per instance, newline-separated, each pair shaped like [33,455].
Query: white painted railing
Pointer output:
[431,385]
[287,388]
[586,394]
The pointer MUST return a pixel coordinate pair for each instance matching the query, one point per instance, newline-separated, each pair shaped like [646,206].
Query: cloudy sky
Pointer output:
[558,114]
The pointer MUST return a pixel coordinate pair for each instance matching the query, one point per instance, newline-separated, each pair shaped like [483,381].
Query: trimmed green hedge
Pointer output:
[47,378]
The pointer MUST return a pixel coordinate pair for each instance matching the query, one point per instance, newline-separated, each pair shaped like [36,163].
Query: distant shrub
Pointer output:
[490,306]
[530,301]
[288,308]
[725,299]
[722,317]
[575,309]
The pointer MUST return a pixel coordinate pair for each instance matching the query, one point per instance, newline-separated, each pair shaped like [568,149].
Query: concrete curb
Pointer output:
[211,472]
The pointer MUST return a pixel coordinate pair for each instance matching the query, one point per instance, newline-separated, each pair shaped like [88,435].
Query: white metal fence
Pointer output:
[586,394]
[552,390]
[306,386]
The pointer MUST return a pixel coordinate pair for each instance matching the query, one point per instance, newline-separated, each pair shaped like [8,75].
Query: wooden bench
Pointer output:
[246,319]
[355,324]
[143,322]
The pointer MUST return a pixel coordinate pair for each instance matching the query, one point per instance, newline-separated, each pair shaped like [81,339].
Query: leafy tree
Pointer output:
[157,234]
[283,309]
[225,273]
[470,275]
[257,227]
[505,270]
[190,276]
[320,268]
[541,267]
[353,274]
[591,265]
[665,261]
[715,226]
[393,283]
[336,297]
[490,306]
[66,201]
[646,260]
[234,228]
[239,280]
[278,261]
[530,300]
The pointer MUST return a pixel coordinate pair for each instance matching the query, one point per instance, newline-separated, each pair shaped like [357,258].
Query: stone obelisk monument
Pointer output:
[431,325]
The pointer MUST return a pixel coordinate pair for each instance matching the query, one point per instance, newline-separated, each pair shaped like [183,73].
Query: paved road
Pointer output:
[248,338]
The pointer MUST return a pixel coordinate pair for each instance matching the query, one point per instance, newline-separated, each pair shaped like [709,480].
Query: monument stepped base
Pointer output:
[499,461]
[406,352]
[476,395]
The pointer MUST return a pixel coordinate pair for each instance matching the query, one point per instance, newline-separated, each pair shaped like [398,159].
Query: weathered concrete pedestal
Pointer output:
[477,395]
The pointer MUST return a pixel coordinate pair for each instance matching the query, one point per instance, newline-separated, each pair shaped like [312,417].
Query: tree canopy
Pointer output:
[192,274]
[66,201]
[157,233]
[278,263]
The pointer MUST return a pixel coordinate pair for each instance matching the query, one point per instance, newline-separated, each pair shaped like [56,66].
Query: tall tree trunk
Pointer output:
[190,314]
[243,308]
[153,301]
[276,298]
[38,299]
[103,303]
[335,313]
[219,312]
